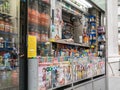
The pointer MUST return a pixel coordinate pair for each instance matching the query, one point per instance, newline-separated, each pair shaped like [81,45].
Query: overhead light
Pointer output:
[79,4]
[73,4]
[85,3]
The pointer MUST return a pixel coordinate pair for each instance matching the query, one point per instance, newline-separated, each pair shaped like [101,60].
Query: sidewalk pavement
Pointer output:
[113,76]
[113,83]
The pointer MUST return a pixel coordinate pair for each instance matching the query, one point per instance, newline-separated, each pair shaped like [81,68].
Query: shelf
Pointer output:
[101,32]
[98,76]
[59,87]
[92,22]
[77,7]
[46,3]
[82,80]
[7,42]
[101,41]
[71,43]
[7,33]
[3,49]
[79,82]
[69,11]
[7,14]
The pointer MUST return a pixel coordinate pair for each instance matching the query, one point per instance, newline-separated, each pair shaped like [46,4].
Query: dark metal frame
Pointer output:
[23,74]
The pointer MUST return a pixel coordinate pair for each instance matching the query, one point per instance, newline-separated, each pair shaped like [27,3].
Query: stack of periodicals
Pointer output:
[59,71]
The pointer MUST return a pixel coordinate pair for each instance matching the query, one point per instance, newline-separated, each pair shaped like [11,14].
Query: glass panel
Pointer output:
[9,31]
[39,23]
[39,30]
[64,49]
[100,3]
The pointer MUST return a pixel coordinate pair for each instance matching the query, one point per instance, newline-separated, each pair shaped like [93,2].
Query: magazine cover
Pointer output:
[44,77]
[89,70]
[79,71]
[83,62]
[75,63]
[61,74]
[102,66]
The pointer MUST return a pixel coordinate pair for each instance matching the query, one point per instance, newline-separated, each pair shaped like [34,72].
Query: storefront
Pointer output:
[68,45]
[51,44]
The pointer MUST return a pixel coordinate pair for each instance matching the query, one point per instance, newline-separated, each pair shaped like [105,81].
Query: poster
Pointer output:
[44,77]
[57,27]
[61,74]
[32,46]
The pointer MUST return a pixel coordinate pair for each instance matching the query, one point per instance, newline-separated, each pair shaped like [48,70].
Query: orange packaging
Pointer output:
[2,24]
[39,19]
[34,16]
[86,39]
[7,25]
[75,51]
[43,16]
[47,20]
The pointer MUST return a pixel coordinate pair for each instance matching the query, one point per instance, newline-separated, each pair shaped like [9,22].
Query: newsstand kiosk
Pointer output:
[66,42]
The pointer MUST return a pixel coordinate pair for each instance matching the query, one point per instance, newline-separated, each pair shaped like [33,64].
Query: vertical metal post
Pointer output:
[23,74]
[33,74]
[119,67]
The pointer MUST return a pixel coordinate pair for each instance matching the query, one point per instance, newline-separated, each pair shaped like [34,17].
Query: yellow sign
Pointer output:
[32,46]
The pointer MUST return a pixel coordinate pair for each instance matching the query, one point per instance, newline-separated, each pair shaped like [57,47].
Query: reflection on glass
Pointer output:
[39,23]
[9,43]
[39,28]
